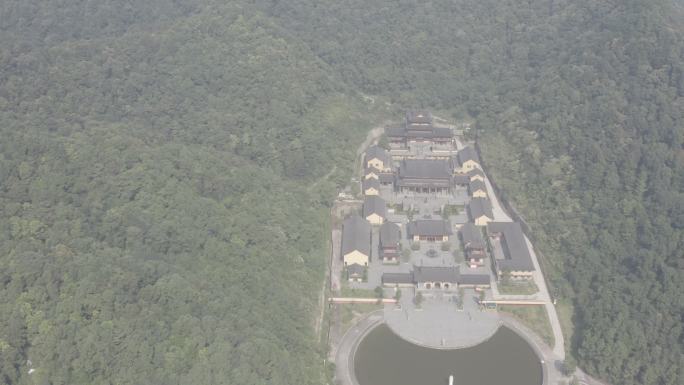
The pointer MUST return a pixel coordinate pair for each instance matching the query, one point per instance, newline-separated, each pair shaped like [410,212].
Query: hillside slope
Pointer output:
[158,225]
[155,159]
[580,112]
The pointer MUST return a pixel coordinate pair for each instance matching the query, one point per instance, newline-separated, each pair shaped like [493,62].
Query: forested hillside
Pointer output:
[157,157]
[580,112]
[159,223]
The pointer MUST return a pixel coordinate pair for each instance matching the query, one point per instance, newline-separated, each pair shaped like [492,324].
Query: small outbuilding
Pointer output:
[378,158]
[480,211]
[477,189]
[473,245]
[476,174]
[390,236]
[374,209]
[468,159]
[371,187]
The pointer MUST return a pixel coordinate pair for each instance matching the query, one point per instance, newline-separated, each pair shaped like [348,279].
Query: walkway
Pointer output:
[500,215]
[344,357]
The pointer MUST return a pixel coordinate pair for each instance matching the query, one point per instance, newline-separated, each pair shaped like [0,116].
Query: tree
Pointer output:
[379,292]
[383,142]
[406,255]
[418,299]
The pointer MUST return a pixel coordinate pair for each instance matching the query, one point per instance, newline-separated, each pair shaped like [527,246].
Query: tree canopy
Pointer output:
[166,170]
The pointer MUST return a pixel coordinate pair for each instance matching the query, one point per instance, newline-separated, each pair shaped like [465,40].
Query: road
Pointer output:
[500,215]
[344,359]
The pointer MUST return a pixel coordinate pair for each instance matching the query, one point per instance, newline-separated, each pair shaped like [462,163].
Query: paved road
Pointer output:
[500,214]
[344,359]
[543,294]
[336,262]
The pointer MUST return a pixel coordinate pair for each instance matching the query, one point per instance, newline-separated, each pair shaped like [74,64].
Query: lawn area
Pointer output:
[564,310]
[534,317]
[452,210]
[523,288]
[356,293]
[350,312]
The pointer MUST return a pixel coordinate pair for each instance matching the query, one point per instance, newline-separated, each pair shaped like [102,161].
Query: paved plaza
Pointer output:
[440,322]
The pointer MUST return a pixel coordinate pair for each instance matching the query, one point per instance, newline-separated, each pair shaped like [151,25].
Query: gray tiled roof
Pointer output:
[442,132]
[517,254]
[474,279]
[421,274]
[377,152]
[355,269]
[467,153]
[424,168]
[475,171]
[390,234]
[429,227]
[373,170]
[372,182]
[356,235]
[374,205]
[397,278]
[479,207]
[431,274]
[386,178]
[476,185]
[471,236]
[461,180]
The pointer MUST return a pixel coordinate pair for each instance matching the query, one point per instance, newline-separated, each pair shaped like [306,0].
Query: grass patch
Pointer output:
[452,210]
[357,293]
[534,317]
[523,288]
[564,310]
[351,312]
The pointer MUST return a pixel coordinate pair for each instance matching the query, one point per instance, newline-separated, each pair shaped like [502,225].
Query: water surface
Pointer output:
[383,358]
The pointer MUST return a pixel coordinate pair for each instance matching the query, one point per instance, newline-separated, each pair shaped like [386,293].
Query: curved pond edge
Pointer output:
[428,346]
[351,372]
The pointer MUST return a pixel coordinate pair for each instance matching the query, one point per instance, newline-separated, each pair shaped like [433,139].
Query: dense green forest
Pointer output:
[166,169]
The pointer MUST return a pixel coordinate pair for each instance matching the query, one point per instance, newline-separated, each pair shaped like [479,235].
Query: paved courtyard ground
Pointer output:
[440,322]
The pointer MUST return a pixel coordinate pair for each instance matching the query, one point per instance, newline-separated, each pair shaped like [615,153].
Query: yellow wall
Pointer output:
[371,175]
[356,257]
[378,164]
[479,194]
[371,191]
[375,162]
[416,238]
[477,177]
[469,165]
[521,274]
[375,219]
[482,221]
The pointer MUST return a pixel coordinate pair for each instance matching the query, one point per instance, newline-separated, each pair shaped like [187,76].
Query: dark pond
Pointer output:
[383,358]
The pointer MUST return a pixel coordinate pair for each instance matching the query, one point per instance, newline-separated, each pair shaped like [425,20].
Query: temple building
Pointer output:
[424,176]
[356,241]
[418,127]
[430,230]
[511,255]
